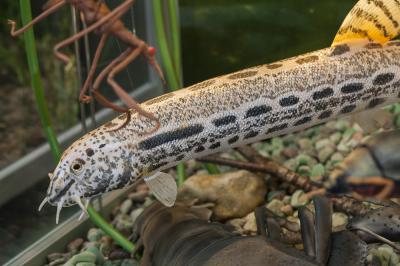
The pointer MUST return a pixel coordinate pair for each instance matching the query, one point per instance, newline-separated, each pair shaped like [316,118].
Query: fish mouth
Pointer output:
[59,200]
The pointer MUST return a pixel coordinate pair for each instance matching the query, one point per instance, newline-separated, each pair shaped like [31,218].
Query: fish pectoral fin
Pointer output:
[370,20]
[164,188]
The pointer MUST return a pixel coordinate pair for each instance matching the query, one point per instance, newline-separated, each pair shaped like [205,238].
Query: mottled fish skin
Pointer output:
[228,111]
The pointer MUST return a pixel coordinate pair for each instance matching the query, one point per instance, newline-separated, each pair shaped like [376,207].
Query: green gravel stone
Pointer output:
[86,264]
[317,170]
[305,144]
[275,206]
[296,200]
[99,256]
[94,234]
[304,170]
[320,144]
[85,256]
[336,137]
[325,154]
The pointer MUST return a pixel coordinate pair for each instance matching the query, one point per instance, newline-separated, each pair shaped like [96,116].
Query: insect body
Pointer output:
[229,111]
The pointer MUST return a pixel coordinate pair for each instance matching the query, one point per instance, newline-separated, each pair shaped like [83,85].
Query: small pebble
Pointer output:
[317,170]
[290,152]
[320,144]
[298,199]
[287,210]
[126,206]
[336,137]
[305,144]
[275,206]
[119,254]
[250,226]
[94,234]
[337,157]
[325,153]
[339,219]
[85,256]
[75,245]
[135,214]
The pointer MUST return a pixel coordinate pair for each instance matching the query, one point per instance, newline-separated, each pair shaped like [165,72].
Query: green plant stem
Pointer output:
[36,80]
[176,38]
[172,77]
[37,86]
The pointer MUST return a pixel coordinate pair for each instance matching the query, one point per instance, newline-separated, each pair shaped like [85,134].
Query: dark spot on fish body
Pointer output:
[170,136]
[160,98]
[383,79]
[233,139]
[215,145]
[274,66]
[251,134]
[327,92]
[302,121]
[199,149]
[308,59]
[373,45]
[226,120]
[244,74]
[375,102]
[277,128]
[340,49]
[321,106]
[325,114]
[352,88]
[289,101]
[348,109]
[89,152]
[258,110]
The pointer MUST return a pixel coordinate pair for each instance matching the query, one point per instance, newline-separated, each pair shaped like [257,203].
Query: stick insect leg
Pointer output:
[82,96]
[35,20]
[100,78]
[110,17]
[123,95]
[388,185]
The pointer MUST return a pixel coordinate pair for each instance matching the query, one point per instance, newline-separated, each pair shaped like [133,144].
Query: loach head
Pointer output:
[94,164]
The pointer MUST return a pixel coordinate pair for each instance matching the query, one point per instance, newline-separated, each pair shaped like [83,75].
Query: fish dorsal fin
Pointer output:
[370,20]
[164,187]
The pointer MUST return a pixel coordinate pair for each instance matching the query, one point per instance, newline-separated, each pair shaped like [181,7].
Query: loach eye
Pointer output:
[77,166]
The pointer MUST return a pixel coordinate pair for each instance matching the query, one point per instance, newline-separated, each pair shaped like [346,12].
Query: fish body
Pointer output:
[229,111]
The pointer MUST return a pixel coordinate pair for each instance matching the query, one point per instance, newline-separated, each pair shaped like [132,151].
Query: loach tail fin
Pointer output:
[371,20]
[164,188]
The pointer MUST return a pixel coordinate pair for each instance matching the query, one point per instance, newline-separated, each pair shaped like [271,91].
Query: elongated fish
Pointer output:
[361,71]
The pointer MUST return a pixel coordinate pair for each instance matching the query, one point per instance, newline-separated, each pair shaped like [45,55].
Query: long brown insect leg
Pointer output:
[35,20]
[123,95]
[89,79]
[113,15]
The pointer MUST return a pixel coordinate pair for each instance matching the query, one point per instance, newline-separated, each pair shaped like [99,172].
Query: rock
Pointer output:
[348,133]
[291,164]
[237,223]
[126,206]
[250,226]
[289,152]
[304,170]
[336,137]
[119,254]
[85,256]
[97,253]
[325,153]
[337,157]
[343,147]
[339,219]
[286,199]
[135,214]
[287,210]
[320,144]
[106,245]
[123,222]
[75,245]
[54,256]
[276,194]
[85,264]
[305,144]
[94,234]
[342,125]
[298,199]
[275,206]
[317,170]
[235,194]
[59,261]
